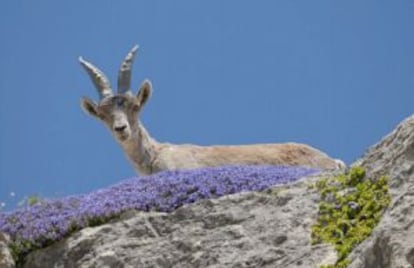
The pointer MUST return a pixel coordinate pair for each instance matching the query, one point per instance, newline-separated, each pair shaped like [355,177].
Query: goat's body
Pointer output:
[193,156]
[149,156]
[120,111]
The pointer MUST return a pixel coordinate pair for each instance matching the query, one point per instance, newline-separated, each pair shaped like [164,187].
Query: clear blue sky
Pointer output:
[334,74]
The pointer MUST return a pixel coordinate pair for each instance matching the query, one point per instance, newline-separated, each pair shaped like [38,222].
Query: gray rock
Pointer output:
[267,229]
[6,260]
[392,242]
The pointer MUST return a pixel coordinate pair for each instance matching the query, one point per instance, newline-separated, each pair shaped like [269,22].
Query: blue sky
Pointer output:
[337,75]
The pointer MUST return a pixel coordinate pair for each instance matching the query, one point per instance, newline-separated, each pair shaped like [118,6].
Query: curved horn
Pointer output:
[124,76]
[99,79]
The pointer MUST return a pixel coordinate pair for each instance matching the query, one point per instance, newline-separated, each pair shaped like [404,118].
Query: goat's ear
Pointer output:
[144,93]
[89,107]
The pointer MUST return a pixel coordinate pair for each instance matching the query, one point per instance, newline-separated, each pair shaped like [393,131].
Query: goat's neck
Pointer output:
[141,150]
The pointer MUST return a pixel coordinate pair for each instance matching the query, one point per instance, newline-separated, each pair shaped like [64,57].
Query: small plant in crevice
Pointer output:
[351,206]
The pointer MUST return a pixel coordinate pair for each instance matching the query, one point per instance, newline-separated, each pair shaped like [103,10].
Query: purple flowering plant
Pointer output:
[48,221]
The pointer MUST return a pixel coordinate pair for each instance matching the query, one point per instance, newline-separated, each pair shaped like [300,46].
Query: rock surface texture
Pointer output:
[392,242]
[266,229]
[270,229]
[6,260]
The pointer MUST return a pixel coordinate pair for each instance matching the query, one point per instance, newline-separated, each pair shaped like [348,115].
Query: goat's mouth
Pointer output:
[122,135]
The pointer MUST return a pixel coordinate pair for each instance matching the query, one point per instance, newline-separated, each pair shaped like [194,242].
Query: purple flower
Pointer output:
[52,220]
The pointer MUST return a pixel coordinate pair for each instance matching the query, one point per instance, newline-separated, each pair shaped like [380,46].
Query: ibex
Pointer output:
[120,113]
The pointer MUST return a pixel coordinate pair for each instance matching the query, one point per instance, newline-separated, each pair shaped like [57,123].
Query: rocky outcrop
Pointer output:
[392,242]
[6,260]
[266,229]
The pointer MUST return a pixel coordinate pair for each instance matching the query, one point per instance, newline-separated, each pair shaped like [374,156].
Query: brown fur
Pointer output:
[193,156]
[119,113]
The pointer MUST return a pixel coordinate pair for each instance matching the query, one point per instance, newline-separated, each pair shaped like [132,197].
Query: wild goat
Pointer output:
[120,113]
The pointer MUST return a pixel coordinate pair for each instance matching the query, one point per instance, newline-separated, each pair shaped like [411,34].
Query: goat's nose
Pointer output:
[120,128]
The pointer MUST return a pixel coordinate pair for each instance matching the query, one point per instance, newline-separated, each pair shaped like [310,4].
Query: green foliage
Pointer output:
[21,247]
[33,200]
[29,201]
[351,207]
[16,249]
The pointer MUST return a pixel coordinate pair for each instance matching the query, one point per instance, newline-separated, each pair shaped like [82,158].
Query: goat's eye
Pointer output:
[120,102]
[135,107]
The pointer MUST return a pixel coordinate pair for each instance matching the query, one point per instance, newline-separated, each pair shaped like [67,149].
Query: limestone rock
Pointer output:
[6,260]
[392,242]
[269,229]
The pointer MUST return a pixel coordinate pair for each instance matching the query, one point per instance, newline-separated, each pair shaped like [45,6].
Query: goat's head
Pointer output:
[118,111]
